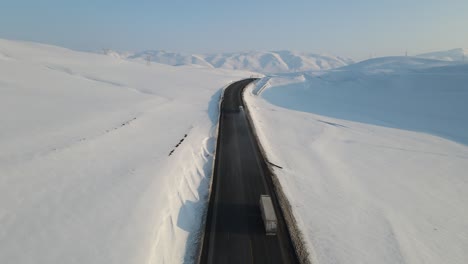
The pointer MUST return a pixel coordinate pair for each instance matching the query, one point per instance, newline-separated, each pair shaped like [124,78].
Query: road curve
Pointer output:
[234,231]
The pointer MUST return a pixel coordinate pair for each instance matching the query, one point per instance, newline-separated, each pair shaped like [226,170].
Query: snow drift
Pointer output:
[374,159]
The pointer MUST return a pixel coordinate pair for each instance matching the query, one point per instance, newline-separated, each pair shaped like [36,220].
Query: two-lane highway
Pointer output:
[234,230]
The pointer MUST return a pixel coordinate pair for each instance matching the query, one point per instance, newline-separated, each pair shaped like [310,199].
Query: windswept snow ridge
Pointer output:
[85,175]
[373,159]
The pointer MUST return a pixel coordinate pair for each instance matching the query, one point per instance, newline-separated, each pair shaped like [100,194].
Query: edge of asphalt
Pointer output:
[280,198]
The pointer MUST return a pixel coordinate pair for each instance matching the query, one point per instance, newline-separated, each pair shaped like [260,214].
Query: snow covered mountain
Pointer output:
[258,61]
[115,54]
[459,54]
[170,58]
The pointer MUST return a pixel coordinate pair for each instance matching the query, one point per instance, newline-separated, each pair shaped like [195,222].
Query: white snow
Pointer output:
[85,175]
[257,61]
[374,157]
[459,54]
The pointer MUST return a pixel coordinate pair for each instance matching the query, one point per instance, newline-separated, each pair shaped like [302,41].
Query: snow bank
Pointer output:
[85,171]
[374,160]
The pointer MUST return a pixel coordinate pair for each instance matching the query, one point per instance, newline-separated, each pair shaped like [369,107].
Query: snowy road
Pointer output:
[234,228]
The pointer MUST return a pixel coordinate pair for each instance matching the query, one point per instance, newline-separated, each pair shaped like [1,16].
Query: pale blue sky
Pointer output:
[348,28]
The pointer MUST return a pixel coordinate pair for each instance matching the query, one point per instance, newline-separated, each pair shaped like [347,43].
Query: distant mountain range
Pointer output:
[447,55]
[257,61]
[269,62]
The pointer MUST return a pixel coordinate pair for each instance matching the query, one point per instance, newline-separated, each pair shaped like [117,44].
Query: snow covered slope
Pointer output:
[447,55]
[85,171]
[265,62]
[374,159]
[398,92]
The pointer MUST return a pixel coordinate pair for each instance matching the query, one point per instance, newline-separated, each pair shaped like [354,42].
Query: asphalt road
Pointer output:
[234,230]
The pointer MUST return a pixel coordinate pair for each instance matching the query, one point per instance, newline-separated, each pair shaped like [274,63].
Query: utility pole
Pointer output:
[148,59]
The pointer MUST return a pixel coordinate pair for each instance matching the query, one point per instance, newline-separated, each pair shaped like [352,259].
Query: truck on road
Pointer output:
[268,214]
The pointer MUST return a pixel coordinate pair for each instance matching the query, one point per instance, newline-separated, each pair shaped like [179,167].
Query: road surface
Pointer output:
[234,230]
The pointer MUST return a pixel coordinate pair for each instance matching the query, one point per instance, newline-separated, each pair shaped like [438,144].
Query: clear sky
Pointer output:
[355,28]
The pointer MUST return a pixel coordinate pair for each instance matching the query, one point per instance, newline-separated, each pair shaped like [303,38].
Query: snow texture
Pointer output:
[85,171]
[374,159]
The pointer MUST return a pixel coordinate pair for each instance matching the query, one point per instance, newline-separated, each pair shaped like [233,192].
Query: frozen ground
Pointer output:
[374,158]
[85,175]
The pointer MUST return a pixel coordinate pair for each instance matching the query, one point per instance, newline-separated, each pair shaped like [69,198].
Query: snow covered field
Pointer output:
[374,157]
[85,175]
